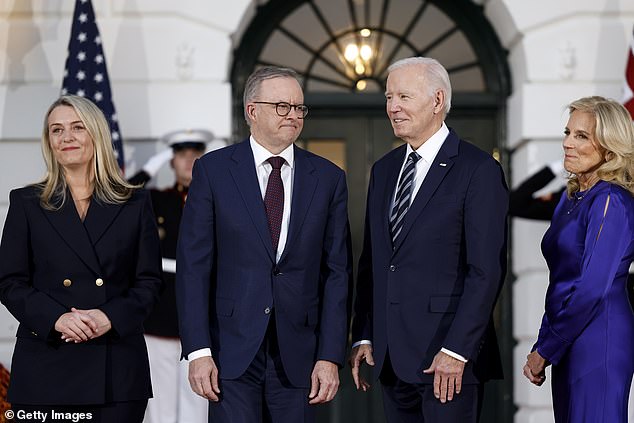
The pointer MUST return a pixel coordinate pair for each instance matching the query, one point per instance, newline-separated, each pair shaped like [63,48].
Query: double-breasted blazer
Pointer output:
[51,261]
[228,282]
[437,284]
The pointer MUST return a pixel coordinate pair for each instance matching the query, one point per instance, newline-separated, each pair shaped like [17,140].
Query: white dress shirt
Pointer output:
[427,152]
[263,170]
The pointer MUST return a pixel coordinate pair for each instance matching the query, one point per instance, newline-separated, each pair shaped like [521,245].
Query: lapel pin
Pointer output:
[443,164]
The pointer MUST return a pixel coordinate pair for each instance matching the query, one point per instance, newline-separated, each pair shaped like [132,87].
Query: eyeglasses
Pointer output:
[283,108]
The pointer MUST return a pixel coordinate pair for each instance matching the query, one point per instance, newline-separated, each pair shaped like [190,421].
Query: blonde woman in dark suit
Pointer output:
[80,271]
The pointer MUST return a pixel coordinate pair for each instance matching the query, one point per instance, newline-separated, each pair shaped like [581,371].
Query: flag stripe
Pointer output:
[628,89]
[86,72]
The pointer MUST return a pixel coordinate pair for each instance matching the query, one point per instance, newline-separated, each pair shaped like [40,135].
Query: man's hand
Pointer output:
[203,378]
[447,376]
[358,355]
[324,382]
[535,368]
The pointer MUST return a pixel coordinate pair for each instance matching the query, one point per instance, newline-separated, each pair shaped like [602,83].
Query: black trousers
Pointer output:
[127,411]
[263,393]
[415,402]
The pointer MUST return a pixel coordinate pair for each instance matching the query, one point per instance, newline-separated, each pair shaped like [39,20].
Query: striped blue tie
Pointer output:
[403,196]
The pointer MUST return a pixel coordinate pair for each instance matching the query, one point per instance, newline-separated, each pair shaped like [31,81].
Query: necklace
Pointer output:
[576,200]
[577,197]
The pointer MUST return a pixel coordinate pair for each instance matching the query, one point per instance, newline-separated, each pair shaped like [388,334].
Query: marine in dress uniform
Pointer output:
[173,401]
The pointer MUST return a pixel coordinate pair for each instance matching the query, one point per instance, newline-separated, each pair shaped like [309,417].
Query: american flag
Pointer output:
[86,74]
[628,89]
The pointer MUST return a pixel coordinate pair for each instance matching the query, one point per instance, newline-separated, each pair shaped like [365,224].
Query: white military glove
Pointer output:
[157,161]
[557,168]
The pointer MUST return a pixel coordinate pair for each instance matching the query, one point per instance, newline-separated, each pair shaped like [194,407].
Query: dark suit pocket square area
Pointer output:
[312,316]
[224,306]
[444,199]
[444,304]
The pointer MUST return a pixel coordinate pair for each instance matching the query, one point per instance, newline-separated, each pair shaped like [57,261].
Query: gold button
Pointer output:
[161,220]
[67,282]
[99,282]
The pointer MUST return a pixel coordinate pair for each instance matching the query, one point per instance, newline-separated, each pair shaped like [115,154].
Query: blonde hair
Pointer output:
[614,132]
[109,186]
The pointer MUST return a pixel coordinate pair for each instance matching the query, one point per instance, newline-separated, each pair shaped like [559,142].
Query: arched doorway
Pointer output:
[344,87]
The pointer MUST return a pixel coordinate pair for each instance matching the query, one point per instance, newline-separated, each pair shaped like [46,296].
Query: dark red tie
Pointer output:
[274,200]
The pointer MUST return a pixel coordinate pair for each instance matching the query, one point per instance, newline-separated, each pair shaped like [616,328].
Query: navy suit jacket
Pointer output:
[52,262]
[436,287]
[227,280]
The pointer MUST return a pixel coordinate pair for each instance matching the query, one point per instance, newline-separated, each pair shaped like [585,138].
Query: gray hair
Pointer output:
[435,75]
[252,86]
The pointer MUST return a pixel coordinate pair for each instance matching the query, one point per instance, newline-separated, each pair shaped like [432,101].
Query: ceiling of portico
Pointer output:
[315,37]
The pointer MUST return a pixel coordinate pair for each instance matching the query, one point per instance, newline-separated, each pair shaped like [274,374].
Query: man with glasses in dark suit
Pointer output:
[264,266]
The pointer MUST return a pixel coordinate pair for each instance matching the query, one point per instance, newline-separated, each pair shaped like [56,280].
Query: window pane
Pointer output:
[333,150]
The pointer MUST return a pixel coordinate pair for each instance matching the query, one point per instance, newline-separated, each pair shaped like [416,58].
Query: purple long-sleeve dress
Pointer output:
[587,331]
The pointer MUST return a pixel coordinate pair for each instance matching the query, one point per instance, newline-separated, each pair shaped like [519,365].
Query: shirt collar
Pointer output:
[261,154]
[428,150]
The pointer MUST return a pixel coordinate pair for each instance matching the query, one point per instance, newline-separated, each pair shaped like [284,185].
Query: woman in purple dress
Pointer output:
[587,331]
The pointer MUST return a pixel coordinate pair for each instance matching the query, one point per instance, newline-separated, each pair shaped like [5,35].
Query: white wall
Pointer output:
[169,63]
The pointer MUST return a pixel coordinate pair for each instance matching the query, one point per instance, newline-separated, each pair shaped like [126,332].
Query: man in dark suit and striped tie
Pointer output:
[433,259]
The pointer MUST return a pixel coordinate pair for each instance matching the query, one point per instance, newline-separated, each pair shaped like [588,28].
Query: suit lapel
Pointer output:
[246,180]
[99,218]
[439,168]
[391,180]
[304,185]
[68,225]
